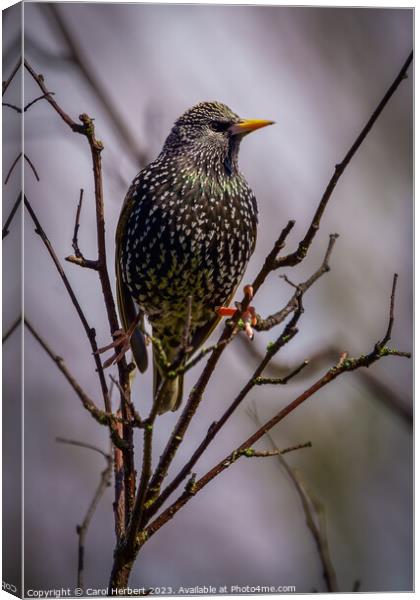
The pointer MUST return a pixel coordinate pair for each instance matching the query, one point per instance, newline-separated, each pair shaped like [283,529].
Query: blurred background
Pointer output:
[319,73]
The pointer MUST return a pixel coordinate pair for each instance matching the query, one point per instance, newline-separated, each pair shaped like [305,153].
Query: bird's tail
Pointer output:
[170,396]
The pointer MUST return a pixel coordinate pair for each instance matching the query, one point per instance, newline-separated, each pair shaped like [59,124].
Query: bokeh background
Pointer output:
[319,73]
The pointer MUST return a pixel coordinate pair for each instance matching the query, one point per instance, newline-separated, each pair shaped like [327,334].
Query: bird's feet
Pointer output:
[121,344]
[248,316]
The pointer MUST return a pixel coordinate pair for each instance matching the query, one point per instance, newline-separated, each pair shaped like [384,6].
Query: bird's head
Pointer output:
[208,135]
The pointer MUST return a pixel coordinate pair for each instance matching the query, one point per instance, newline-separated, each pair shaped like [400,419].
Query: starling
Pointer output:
[185,234]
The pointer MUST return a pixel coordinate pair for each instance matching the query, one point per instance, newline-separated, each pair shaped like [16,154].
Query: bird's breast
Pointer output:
[187,237]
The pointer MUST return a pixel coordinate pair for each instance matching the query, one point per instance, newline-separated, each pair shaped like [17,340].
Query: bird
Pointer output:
[186,231]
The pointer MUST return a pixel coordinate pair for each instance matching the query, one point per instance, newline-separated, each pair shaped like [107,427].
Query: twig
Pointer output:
[75,243]
[301,288]
[5,230]
[312,505]
[377,388]
[102,417]
[309,505]
[11,76]
[299,254]
[65,117]
[32,102]
[62,440]
[10,171]
[91,334]
[137,421]
[173,371]
[15,162]
[251,453]
[281,380]
[11,329]
[78,258]
[104,482]
[13,106]
[30,163]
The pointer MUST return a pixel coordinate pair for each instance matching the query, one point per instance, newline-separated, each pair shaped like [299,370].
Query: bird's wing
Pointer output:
[202,333]
[126,306]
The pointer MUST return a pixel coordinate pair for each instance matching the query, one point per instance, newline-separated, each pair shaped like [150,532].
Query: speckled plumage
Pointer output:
[187,228]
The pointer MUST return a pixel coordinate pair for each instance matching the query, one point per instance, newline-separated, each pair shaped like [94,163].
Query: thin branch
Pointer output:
[281,380]
[137,421]
[387,336]
[13,106]
[78,257]
[15,162]
[75,242]
[104,483]
[301,288]
[30,163]
[11,329]
[310,505]
[251,453]
[10,171]
[48,97]
[11,76]
[104,418]
[32,102]
[299,254]
[61,440]
[91,334]
[5,230]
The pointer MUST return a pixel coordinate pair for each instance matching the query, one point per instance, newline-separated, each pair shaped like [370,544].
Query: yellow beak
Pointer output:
[248,125]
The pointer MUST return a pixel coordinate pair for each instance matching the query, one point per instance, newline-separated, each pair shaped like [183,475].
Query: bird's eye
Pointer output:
[218,125]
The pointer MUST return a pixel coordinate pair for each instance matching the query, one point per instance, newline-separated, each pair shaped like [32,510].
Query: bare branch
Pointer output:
[13,106]
[10,171]
[61,440]
[12,328]
[104,482]
[310,506]
[11,76]
[104,418]
[281,380]
[15,162]
[48,97]
[30,163]
[78,258]
[298,255]
[301,288]
[5,230]
[251,453]
[91,334]
[32,102]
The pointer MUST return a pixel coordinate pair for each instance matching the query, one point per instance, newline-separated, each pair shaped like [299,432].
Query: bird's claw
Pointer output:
[248,316]
[121,343]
